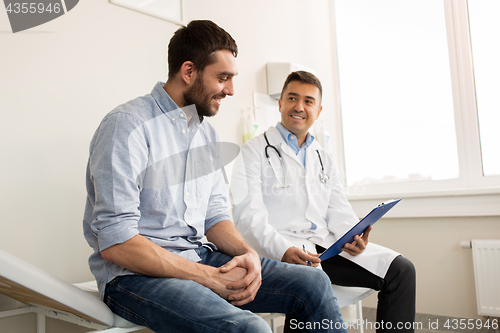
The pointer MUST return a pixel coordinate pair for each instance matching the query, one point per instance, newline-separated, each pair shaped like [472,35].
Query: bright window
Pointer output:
[484,19]
[396,93]
[417,85]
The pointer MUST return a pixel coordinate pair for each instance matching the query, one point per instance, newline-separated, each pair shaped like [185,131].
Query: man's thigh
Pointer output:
[175,305]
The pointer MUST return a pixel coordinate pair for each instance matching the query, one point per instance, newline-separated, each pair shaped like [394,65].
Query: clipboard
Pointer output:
[370,219]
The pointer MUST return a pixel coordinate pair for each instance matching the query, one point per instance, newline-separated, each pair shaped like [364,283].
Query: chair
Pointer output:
[346,297]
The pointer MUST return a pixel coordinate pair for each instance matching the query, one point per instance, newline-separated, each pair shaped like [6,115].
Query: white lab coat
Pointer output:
[272,219]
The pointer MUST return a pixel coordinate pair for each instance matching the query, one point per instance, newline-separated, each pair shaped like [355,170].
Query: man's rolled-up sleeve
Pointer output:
[217,210]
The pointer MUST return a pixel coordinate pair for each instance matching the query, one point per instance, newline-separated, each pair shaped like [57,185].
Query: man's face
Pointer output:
[300,106]
[213,84]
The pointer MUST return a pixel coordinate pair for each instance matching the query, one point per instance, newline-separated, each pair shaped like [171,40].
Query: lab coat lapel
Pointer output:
[276,139]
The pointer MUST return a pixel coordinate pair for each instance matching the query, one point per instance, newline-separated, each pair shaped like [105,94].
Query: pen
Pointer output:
[304,248]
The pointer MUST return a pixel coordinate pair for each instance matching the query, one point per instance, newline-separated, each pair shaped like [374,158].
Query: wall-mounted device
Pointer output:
[277,73]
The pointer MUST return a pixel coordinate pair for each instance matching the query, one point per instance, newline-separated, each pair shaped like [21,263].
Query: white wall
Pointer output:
[445,275]
[58,80]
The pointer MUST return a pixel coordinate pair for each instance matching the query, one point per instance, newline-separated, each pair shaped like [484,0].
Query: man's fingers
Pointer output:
[308,258]
[240,284]
[351,252]
[245,281]
[247,295]
[366,233]
[351,248]
[228,266]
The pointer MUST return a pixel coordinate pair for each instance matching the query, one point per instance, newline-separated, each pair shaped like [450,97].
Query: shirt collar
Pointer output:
[291,139]
[167,104]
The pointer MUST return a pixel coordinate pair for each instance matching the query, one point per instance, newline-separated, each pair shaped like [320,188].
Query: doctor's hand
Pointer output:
[359,244]
[297,256]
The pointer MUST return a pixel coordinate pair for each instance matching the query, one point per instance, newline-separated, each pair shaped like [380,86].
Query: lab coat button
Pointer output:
[183,131]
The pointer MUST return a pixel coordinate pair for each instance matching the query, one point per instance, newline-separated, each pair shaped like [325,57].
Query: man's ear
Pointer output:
[187,72]
[279,105]
[319,111]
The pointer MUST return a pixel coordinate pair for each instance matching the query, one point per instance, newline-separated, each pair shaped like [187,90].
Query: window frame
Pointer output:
[472,194]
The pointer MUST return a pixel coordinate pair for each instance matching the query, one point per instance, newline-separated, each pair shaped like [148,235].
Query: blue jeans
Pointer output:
[175,305]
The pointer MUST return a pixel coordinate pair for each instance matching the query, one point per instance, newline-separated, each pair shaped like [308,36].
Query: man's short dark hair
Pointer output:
[304,77]
[197,43]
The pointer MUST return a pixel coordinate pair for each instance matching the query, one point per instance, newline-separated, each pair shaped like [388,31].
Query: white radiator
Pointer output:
[486,257]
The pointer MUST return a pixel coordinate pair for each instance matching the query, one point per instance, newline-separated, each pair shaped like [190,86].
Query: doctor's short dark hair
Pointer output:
[197,43]
[304,77]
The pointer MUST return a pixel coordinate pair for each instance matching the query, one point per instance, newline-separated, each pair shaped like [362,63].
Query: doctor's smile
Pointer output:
[297,116]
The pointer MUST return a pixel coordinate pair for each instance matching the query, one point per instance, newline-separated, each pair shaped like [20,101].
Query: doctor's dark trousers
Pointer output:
[397,290]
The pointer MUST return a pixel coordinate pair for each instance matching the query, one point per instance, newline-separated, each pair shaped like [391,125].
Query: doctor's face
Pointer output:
[300,106]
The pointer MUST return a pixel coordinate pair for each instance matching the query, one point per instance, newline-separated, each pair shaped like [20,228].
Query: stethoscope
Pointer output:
[322,176]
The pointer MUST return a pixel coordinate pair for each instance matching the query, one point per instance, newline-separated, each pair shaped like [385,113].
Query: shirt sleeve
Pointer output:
[217,203]
[118,155]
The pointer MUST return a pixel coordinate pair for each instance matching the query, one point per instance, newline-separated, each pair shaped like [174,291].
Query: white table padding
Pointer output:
[32,285]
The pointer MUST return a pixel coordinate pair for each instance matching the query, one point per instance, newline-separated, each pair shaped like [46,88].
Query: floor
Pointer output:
[423,323]
[280,330]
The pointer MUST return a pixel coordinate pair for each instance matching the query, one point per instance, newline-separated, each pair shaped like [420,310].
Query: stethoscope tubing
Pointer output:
[281,162]
[323,176]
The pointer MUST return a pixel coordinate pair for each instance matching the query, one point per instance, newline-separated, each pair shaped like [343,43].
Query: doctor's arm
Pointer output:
[341,217]
[250,213]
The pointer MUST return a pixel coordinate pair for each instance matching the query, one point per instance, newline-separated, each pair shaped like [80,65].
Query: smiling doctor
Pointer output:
[288,197]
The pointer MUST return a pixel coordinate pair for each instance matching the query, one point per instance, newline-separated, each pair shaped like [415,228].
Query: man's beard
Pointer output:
[197,96]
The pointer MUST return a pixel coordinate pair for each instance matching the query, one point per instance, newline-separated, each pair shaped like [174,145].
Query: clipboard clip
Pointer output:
[386,202]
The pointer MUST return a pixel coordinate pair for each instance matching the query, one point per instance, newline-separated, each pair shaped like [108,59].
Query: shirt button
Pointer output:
[183,131]
[173,119]
[181,115]
[292,137]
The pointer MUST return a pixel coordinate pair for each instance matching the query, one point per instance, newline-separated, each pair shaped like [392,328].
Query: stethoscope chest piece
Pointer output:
[323,177]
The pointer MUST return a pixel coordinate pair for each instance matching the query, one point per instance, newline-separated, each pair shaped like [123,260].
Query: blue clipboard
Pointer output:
[359,228]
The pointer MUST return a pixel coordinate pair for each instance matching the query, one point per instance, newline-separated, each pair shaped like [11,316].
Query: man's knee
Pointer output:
[252,324]
[315,281]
